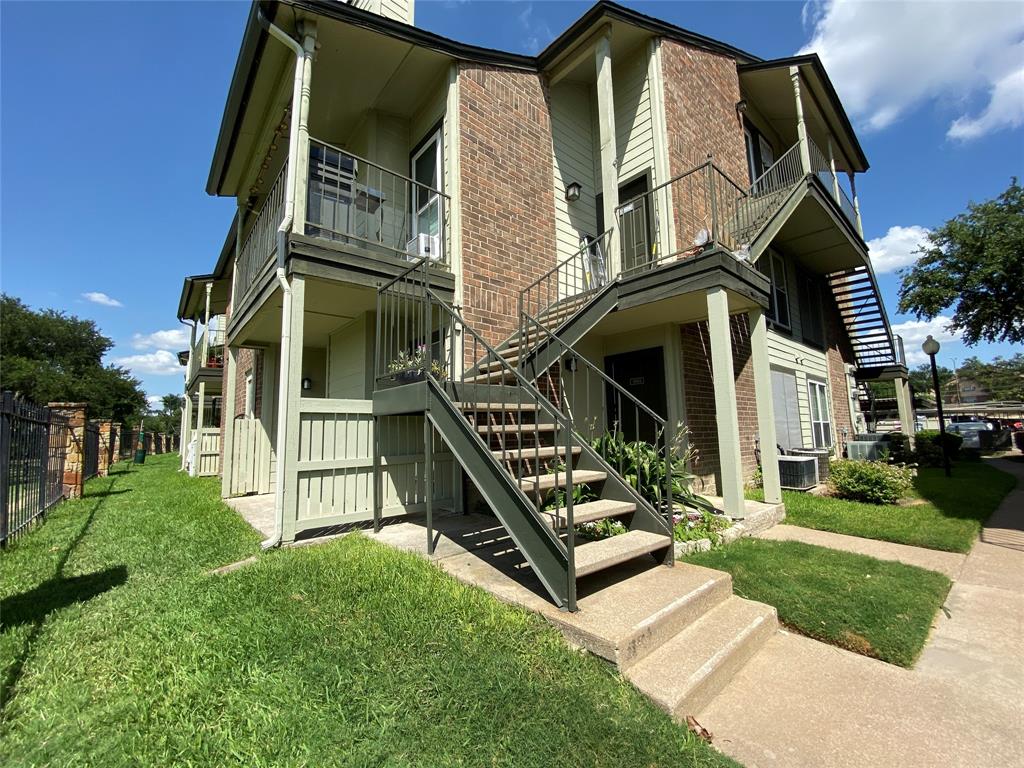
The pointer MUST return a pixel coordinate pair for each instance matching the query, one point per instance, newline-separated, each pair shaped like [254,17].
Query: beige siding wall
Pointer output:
[575,160]
[314,368]
[634,124]
[349,360]
[398,10]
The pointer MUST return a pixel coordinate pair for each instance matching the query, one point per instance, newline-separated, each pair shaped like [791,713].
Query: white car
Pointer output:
[969,430]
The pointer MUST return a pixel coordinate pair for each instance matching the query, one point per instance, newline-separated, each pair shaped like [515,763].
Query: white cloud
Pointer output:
[889,58]
[97,297]
[896,248]
[914,332]
[175,338]
[159,363]
[1005,110]
[154,400]
[538,33]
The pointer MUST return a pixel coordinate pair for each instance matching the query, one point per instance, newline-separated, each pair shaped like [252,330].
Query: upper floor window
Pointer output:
[760,154]
[774,268]
[426,172]
[812,321]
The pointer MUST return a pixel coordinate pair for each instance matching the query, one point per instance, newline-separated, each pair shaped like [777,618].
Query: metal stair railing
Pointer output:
[581,274]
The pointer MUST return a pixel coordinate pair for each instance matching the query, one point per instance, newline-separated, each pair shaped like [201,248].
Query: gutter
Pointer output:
[274,539]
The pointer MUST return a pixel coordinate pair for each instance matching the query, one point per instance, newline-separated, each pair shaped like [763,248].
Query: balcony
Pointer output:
[207,354]
[354,204]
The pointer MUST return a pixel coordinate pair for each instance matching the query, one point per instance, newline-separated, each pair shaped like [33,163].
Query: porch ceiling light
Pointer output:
[572,192]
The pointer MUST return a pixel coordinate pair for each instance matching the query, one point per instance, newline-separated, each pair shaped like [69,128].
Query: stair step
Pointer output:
[591,511]
[598,555]
[516,428]
[557,480]
[509,407]
[511,359]
[529,454]
[685,673]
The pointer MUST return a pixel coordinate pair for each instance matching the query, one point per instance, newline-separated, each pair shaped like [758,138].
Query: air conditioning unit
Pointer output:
[424,245]
[821,455]
[866,450]
[798,473]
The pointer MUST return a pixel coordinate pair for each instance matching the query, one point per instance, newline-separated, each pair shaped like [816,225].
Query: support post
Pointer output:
[308,32]
[856,204]
[832,169]
[227,417]
[765,407]
[428,485]
[729,457]
[378,505]
[200,424]
[205,358]
[186,432]
[905,406]
[801,125]
[290,382]
[609,153]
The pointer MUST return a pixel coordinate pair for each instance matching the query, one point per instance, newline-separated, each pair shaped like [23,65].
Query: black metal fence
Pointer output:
[32,450]
[91,451]
[126,446]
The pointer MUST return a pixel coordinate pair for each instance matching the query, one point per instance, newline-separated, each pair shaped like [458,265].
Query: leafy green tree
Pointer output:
[1003,378]
[166,418]
[974,263]
[920,379]
[49,356]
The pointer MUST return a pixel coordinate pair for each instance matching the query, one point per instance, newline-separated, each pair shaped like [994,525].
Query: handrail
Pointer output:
[776,170]
[388,171]
[260,243]
[584,269]
[415,265]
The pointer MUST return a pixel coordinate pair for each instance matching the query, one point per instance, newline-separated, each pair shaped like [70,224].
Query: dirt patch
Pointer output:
[857,643]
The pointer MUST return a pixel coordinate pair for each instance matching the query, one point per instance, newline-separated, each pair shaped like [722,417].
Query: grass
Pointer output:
[876,608]
[118,648]
[948,515]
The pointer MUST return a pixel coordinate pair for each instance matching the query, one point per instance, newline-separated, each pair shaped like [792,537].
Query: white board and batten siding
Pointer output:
[251,458]
[335,464]
[208,453]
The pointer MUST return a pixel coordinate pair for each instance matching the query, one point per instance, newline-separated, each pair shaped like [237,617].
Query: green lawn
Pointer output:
[118,649]
[873,607]
[949,518]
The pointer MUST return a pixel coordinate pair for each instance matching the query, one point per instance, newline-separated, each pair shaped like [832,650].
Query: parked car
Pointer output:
[970,431]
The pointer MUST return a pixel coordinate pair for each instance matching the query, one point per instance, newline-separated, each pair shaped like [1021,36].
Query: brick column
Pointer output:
[74,452]
[106,454]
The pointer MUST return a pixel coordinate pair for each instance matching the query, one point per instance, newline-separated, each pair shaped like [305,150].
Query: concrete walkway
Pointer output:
[799,702]
[948,563]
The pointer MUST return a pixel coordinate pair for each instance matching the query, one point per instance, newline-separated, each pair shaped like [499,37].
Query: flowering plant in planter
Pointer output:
[412,366]
[695,525]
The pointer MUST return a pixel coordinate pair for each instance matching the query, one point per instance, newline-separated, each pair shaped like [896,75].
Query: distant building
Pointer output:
[964,391]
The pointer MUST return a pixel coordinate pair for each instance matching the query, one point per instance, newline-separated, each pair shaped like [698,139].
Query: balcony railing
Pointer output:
[212,341]
[351,200]
[822,168]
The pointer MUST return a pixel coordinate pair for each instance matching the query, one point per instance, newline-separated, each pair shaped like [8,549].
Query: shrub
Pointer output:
[871,481]
[929,447]
[899,449]
[693,526]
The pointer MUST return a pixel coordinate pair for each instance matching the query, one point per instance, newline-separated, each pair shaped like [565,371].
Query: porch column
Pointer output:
[801,126]
[729,459]
[765,407]
[206,329]
[308,32]
[186,429]
[227,418]
[289,395]
[832,168]
[200,423]
[609,153]
[856,203]
[905,407]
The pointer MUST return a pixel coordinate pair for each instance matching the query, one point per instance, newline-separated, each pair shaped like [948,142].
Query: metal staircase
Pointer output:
[864,318]
[534,464]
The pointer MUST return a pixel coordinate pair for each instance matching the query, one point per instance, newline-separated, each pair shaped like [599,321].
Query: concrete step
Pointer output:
[598,555]
[591,511]
[557,480]
[532,454]
[686,672]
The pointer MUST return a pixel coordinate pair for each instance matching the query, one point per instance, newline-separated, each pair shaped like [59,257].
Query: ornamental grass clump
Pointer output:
[874,482]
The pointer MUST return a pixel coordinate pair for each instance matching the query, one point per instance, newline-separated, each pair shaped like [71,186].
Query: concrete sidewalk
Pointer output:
[799,702]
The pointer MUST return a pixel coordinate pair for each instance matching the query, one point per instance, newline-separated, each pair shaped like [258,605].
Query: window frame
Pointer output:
[775,262]
[822,432]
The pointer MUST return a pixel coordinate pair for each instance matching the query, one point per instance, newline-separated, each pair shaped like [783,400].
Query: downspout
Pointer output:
[282,243]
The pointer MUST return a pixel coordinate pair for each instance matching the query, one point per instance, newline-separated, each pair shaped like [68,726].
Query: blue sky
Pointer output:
[109,113]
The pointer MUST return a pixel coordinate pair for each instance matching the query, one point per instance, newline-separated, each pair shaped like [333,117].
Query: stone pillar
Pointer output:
[117,431]
[74,452]
[106,454]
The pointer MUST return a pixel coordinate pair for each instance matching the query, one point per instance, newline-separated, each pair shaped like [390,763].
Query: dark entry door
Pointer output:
[635,224]
[642,374]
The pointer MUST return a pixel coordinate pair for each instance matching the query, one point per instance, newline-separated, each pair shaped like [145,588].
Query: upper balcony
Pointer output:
[205,357]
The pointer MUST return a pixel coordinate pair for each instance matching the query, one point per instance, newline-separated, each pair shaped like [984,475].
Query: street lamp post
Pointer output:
[931,348]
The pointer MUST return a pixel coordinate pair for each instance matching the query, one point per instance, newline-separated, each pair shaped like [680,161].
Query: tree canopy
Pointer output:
[49,356]
[166,418]
[1002,377]
[974,263]
[920,379]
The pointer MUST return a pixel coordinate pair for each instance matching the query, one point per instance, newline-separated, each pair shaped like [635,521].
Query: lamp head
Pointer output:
[930,347]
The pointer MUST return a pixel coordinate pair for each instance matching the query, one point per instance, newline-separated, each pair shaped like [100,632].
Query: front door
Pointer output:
[641,374]
[635,224]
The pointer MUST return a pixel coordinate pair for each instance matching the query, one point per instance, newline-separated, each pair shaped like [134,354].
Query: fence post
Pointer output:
[6,415]
[106,441]
[74,450]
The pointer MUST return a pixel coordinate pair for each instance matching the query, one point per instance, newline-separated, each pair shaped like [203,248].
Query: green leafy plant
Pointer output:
[416,362]
[874,482]
[929,447]
[702,524]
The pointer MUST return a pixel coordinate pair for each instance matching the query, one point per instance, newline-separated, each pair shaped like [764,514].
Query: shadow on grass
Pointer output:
[36,604]
[104,494]
[61,591]
[973,492]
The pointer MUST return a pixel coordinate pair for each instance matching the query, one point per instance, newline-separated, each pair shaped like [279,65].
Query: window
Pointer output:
[426,171]
[787,410]
[812,322]
[821,424]
[774,268]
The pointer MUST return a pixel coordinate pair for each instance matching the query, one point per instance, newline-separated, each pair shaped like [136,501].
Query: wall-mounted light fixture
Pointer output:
[572,192]
[571,364]
[741,106]
[307,384]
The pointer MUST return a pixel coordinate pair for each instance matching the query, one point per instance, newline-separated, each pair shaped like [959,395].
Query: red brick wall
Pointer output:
[838,353]
[508,206]
[249,361]
[701,91]
[699,396]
